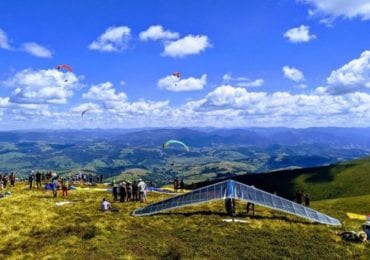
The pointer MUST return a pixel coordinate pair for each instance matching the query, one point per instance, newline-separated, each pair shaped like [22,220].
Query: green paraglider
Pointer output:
[169,142]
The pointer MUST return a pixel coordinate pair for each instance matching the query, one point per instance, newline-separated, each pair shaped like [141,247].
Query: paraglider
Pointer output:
[176,74]
[169,142]
[65,67]
[84,112]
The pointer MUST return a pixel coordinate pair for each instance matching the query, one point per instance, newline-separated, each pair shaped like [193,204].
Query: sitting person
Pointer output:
[353,236]
[105,205]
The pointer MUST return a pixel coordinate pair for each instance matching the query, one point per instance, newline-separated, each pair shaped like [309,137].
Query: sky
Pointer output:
[157,63]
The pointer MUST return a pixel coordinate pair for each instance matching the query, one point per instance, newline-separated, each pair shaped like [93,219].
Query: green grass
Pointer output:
[34,228]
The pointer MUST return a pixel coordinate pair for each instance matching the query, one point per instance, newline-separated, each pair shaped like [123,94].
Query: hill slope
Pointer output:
[340,180]
[36,228]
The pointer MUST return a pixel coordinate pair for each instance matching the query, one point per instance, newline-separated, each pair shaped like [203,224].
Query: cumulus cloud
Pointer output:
[4,42]
[351,77]
[104,92]
[299,34]
[156,32]
[114,39]
[189,45]
[37,50]
[243,81]
[340,8]
[293,74]
[176,84]
[44,86]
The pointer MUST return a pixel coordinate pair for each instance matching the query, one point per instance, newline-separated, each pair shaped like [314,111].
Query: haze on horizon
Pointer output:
[241,64]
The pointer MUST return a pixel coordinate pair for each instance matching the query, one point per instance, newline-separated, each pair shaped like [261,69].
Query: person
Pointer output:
[142,190]
[122,192]
[12,179]
[182,185]
[129,190]
[135,195]
[38,179]
[353,236]
[115,190]
[1,182]
[366,226]
[230,206]
[307,199]
[30,179]
[105,205]
[101,178]
[299,196]
[65,185]
[55,183]
[175,184]
[5,180]
[250,206]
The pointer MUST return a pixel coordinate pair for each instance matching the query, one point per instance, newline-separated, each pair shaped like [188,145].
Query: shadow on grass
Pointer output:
[239,215]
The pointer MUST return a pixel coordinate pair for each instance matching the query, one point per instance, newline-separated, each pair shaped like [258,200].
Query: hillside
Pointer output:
[35,228]
[345,179]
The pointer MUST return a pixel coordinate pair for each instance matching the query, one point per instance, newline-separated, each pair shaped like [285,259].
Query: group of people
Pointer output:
[127,191]
[303,197]
[5,179]
[178,184]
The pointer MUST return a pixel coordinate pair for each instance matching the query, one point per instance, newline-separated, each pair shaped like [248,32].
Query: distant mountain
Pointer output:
[214,153]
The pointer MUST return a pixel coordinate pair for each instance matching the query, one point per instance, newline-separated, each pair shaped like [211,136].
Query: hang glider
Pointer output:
[231,189]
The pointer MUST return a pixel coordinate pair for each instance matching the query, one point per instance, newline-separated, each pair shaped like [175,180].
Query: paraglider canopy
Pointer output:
[172,141]
[84,112]
[65,67]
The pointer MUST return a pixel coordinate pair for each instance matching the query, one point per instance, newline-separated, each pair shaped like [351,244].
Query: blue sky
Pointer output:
[262,63]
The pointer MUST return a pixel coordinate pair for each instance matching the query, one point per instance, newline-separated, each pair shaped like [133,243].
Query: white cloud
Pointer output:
[4,42]
[173,83]
[156,32]
[242,81]
[299,34]
[4,102]
[43,86]
[37,50]
[104,92]
[189,45]
[340,8]
[351,77]
[293,74]
[93,108]
[114,39]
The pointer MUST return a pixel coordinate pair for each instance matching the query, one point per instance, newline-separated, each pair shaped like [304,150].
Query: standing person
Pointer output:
[129,190]
[30,180]
[12,179]
[5,180]
[299,197]
[115,190]
[101,178]
[175,184]
[65,185]
[230,206]
[142,190]
[182,185]
[55,183]
[1,182]
[38,179]
[122,192]
[135,194]
[307,199]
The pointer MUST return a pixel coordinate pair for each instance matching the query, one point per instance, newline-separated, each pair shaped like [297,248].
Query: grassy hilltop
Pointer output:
[33,227]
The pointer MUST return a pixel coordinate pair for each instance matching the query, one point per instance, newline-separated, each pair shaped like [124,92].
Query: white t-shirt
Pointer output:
[105,205]
[141,186]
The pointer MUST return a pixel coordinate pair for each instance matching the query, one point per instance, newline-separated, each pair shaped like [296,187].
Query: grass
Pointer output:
[34,228]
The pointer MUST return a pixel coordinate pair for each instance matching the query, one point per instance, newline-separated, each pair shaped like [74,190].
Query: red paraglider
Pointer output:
[176,74]
[65,66]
